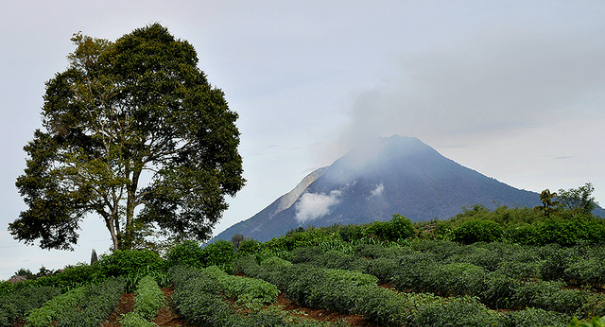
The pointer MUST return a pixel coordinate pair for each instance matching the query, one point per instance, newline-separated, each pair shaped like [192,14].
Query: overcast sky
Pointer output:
[512,89]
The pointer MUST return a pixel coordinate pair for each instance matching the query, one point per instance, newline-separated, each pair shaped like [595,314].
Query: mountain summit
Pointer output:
[396,175]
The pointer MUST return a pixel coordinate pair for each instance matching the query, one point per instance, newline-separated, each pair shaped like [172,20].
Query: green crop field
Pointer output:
[507,267]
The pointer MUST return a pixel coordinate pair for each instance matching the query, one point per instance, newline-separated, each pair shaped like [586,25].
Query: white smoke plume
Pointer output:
[315,205]
[377,191]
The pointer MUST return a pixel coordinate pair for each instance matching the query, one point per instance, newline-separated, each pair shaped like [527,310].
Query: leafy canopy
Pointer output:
[578,200]
[130,124]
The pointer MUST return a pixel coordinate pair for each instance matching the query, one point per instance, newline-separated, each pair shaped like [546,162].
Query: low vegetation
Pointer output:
[506,267]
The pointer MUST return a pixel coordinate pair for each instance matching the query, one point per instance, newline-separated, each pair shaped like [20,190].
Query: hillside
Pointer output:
[396,175]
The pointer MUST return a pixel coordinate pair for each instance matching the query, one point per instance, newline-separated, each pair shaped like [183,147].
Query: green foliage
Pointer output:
[275,262]
[196,297]
[350,233]
[548,205]
[249,246]
[356,278]
[523,226]
[236,239]
[301,237]
[120,108]
[25,272]
[132,264]
[563,232]
[132,319]
[51,310]
[578,201]
[74,276]
[461,312]
[127,262]
[379,230]
[532,317]
[250,292]
[13,306]
[149,298]
[594,322]
[472,231]
[443,279]
[586,271]
[383,268]
[99,301]
[339,260]
[85,306]
[396,229]
[220,253]
[306,254]
[187,253]
[401,228]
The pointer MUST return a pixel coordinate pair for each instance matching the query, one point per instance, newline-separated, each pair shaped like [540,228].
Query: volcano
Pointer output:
[395,175]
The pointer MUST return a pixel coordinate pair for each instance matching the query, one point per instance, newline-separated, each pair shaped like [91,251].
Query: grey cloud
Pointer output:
[497,81]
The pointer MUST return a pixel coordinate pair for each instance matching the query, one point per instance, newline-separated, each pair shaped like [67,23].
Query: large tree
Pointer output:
[135,134]
[578,201]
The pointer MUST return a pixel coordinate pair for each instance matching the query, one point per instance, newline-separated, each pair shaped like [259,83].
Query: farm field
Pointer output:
[392,273]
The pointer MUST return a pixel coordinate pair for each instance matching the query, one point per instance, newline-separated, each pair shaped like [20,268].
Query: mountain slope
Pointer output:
[396,175]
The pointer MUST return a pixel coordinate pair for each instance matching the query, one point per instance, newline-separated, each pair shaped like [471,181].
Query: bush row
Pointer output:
[495,289]
[14,306]
[397,228]
[84,306]
[311,286]
[449,269]
[249,291]
[577,265]
[148,300]
[197,299]
[54,308]
[565,232]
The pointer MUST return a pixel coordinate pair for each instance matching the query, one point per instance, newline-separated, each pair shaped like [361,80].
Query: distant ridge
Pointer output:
[395,175]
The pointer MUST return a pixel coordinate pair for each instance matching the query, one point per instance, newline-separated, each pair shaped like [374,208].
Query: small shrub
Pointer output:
[306,254]
[13,306]
[350,233]
[149,298]
[236,240]
[383,268]
[356,278]
[220,253]
[594,322]
[523,234]
[401,228]
[275,262]
[134,320]
[456,279]
[379,230]
[586,271]
[462,312]
[73,277]
[532,317]
[248,246]
[562,232]
[188,253]
[130,262]
[472,231]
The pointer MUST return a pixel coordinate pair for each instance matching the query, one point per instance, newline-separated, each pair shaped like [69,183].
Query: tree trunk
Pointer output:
[112,231]
[130,206]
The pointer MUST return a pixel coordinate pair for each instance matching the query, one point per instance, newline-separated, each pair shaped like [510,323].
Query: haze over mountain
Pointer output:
[396,175]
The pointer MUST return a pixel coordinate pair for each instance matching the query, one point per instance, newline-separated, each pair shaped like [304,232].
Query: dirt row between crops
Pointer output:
[167,318]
